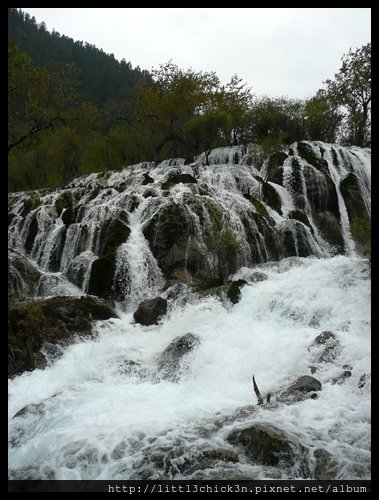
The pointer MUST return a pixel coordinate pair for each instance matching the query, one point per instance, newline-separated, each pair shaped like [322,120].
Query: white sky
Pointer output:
[276,51]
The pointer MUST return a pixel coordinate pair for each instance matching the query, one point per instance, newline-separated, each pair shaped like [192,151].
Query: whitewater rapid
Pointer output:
[108,414]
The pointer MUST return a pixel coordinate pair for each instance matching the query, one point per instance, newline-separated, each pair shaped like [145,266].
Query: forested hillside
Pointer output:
[75,110]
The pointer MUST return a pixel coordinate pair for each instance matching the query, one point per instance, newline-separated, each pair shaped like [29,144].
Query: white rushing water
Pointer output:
[107,413]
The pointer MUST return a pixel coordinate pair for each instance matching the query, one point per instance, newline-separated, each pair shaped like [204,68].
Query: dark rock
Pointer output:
[170,363]
[351,193]
[149,311]
[113,234]
[101,279]
[54,320]
[330,349]
[267,445]
[330,228]
[65,200]
[325,466]
[306,152]
[363,381]
[31,234]
[298,391]
[23,277]
[150,193]
[271,197]
[295,238]
[275,167]
[234,291]
[300,216]
[56,254]
[147,179]
[342,377]
[221,454]
[177,178]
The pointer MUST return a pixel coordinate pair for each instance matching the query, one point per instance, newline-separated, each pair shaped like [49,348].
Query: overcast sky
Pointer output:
[276,51]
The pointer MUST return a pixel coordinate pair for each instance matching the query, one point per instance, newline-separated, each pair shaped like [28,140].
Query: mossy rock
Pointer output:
[306,152]
[168,232]
[54,320]
[300,216]
[234,291]
[65,200]
[56,254]
[275,167]
[113,234]
[221,454]
[272,198]
[22,276]
[267,445]
[295,245]
[102,274]
[351,193]
[177,178]
[330,228]
[30,203]
[360,229]
[211,283]
[32,233]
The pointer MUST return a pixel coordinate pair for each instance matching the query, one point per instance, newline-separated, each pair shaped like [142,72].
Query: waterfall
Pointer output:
[225,217]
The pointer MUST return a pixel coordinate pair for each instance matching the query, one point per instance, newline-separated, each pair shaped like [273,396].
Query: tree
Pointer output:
[351,88]
[322,118]
[38,98]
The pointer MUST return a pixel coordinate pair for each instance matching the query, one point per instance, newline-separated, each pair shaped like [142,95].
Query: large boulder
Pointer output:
[266,444]
[102,276]
[149,311]
[23,277]
[54,320]
[171,362]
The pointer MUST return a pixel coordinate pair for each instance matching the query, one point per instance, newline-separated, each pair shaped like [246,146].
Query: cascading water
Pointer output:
[106,409]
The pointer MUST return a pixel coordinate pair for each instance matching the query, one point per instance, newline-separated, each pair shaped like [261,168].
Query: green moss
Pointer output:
[259,207]
[360,229]
[302,217]
[211,283]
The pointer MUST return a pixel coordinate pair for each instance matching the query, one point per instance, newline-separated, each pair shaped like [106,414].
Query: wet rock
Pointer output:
[112,235]
[325,466]
[363,381]
[266,444]
[300,389]
[177,178]
[341,378]
[170,364]
[271,197]
[257,276]
[222,454]
[275,167]
[328,347]
[53,320]
[101,278]
[32,409]
[234,291]
[149,311]
[300,216]
[330,228]
[23,277]
[147,179]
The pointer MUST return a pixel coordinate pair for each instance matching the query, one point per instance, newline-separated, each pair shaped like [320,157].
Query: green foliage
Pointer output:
[73,110]
[351,88]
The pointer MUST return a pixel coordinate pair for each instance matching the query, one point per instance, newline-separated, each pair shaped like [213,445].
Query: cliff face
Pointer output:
[121,235]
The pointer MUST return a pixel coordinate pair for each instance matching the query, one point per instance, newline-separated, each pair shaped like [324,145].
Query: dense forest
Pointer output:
[73,109]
